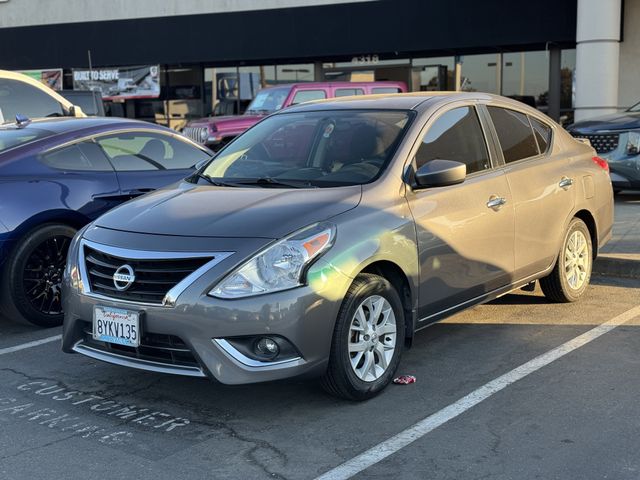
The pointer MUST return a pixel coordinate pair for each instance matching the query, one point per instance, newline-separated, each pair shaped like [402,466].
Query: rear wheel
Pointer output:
[32,277]
[570,277]
[367,340]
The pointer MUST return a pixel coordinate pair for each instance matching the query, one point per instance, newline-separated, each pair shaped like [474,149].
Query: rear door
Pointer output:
[465,231]
[146,160]
[541,183]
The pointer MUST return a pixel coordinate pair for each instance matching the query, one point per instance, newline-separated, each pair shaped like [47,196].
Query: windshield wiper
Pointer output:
[212,181]
[272,182]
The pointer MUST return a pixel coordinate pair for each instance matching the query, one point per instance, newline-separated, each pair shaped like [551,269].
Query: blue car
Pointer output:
[58,174]
[616,138]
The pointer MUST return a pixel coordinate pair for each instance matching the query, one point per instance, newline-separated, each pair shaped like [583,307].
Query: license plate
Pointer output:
[114,325]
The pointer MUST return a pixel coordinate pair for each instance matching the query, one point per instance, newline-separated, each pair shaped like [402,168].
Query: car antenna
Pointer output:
[22,120]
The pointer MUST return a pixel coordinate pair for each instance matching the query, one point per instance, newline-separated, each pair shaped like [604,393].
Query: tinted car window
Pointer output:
[542,132]
[308,95]
[85,156]
[14,137]
[322,148]
[346,92]
[131,151]
[456,135]
[385,90]
[269,100]
[515,134]
[21,98]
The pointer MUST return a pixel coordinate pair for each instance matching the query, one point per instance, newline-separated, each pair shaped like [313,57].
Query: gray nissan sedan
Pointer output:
[320,241]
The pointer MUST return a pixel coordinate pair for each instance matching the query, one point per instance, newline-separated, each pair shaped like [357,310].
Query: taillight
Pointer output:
[601,162]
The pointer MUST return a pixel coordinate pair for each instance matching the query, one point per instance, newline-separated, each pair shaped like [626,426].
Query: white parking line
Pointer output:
[394,444]
[35,343]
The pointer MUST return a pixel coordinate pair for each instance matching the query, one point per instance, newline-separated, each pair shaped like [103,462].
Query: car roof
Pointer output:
[71,124]
[404,101]
[382,83]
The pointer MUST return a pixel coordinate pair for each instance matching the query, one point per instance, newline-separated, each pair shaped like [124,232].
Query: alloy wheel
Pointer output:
[42,277]
[576,260]
[372,338]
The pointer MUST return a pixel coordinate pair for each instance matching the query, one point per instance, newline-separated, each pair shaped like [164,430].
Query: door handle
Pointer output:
[495,202]
[565,182]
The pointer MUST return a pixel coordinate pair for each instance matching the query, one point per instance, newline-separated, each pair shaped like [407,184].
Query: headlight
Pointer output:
[633,143]
[280,267]
[72,271]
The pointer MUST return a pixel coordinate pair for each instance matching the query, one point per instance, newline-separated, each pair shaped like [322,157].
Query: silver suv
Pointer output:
[322,239]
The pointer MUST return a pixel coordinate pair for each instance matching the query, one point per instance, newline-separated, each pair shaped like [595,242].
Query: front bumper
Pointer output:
[191,336]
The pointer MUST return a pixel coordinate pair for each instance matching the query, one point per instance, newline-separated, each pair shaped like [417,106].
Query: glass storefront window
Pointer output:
[567,84]
[303,72]
[525,76]
[480,73]
[432,74]
[181,98]
[368,60]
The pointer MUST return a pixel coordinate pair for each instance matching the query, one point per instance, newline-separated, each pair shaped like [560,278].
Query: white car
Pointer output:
[22,95]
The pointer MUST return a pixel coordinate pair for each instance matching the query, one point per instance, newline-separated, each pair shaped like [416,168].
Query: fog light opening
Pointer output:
[266,347]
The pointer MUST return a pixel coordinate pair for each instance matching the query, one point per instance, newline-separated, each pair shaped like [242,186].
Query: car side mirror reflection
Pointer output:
[440,173]
[201,163]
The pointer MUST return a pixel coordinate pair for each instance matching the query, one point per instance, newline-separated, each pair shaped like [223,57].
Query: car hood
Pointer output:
[209,211]
[616,121]
[227,122]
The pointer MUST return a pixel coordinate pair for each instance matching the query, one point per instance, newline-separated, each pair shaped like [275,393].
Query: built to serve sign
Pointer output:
[120,83]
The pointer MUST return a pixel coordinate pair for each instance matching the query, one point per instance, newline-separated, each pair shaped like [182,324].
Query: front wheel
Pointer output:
[32,279]
[367,341]
[570,277]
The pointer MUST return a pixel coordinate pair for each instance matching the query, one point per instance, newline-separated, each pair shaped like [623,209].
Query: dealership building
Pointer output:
[171,60]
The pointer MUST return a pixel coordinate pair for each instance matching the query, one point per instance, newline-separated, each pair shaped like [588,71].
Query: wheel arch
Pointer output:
[590,222]
[64,217]
[400,281]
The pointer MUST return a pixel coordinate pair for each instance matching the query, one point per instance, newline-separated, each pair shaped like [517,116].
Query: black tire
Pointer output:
[340,379]
[32,276]
[555,286]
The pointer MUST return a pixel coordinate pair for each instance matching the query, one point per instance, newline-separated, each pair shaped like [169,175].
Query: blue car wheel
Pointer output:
[32,277]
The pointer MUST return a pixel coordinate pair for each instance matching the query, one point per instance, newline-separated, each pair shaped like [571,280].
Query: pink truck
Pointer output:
[215,132]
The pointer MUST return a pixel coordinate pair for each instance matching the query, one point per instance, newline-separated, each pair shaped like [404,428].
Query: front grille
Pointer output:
[166,349]
[197,134]
[153,278]
[602,142]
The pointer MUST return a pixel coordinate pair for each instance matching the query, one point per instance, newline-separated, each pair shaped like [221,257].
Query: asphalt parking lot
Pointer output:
[67,416]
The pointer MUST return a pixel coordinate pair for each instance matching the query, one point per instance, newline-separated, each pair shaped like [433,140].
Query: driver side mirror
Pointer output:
[440,173]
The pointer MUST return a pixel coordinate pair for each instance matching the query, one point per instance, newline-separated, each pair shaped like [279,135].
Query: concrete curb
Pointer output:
[612,265]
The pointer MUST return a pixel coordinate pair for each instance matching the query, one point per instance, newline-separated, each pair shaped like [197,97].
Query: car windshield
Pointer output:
[312,149]
[14,137]
[268,101]
[635,108]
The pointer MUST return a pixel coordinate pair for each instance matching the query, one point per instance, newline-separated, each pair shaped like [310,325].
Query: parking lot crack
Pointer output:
[39,447]
[260,453]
